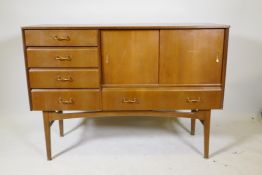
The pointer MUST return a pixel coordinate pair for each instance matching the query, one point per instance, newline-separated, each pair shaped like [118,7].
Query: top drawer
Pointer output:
[61,37]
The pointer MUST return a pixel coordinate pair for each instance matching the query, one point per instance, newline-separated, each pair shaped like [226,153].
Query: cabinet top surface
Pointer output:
[128,26]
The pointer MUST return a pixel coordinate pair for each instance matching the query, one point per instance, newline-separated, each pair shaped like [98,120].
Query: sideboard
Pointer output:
[126,70]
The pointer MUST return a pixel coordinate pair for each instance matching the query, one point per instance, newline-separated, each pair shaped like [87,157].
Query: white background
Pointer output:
[128,145]
[243,97]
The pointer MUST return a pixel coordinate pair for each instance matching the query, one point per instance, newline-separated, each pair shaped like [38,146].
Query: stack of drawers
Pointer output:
[63,69]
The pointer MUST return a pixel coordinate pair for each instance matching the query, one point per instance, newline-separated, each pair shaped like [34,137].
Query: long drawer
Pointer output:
[62,56]
[61,37]
[65,99]
[161,98]
[64,78]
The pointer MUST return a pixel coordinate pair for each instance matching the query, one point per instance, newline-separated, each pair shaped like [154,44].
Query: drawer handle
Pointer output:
[59,38]
[188,100]
[59,78]
[66,102]
[66,58]
[134,100]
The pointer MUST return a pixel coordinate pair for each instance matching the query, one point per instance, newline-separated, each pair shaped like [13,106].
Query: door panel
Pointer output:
[191,57]
[130,56]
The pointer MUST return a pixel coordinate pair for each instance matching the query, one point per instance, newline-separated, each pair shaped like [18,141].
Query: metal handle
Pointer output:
[69,78]
[218,57]
[66,58]
[188,100]
[59,38]
[63,101]
[124,100]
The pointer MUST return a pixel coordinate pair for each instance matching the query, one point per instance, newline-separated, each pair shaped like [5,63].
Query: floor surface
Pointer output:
[135,146]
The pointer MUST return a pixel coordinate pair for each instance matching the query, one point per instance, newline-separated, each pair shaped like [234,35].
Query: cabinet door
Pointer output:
[191,57]
[130,56]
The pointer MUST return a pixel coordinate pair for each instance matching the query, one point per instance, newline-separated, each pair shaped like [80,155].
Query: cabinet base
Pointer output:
[50,116]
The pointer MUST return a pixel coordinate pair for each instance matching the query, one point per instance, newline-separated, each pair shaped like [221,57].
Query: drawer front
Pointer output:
[66,100]
[62,57]
[64,78]
[61,37]
[161,98]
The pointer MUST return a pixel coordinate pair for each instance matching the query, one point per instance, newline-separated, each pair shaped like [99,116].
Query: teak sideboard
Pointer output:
[124,70]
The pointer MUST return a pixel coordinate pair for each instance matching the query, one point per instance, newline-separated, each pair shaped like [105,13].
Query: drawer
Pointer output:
[61,37]
[65,99]
[62,57]
[64,78]
[161,98]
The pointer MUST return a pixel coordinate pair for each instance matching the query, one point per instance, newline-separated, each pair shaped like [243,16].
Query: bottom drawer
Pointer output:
[65,99]
[161,98]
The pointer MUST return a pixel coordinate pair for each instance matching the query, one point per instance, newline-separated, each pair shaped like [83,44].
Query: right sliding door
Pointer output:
[191,57]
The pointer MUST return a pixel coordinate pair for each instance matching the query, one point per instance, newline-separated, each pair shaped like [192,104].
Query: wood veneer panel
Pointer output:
[161,98]
[191,56]
[64,78]
[130,56]
[48,100]
[62,56]
[61,37]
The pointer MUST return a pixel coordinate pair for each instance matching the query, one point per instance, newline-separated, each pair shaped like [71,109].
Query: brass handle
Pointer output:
[66,58]
[59,38]
[59,78]
[134,100]
[188,100]
[63,101]
[218,57]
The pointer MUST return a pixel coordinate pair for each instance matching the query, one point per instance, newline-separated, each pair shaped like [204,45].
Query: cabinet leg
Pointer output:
[206,123]
[61,127]
[193,126]
[47,134]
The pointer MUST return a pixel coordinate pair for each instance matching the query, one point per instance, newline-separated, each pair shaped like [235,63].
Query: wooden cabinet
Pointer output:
[126,71]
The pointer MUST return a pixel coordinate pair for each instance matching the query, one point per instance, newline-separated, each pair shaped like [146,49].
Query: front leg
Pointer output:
[193,126]
[61,127]
[206,123]
[47,125]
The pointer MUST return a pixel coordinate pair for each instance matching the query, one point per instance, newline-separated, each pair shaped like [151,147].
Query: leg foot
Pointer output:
[47,135]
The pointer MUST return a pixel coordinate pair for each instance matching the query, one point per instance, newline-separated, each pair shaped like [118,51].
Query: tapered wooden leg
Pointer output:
[193,126]
[61,127]
[206,123]
[47,134]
